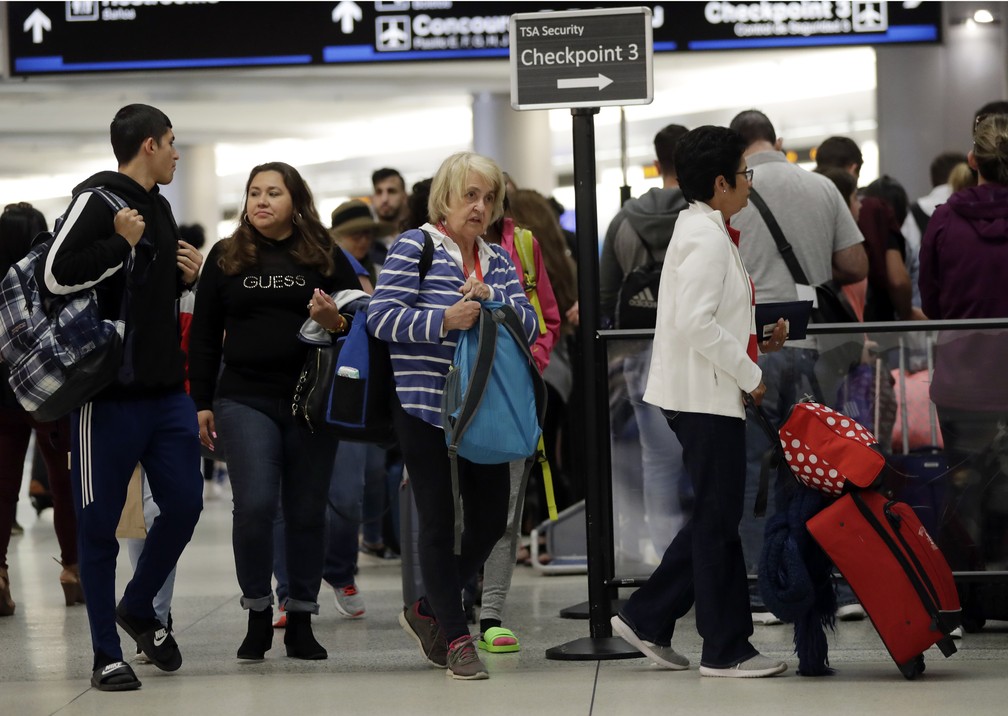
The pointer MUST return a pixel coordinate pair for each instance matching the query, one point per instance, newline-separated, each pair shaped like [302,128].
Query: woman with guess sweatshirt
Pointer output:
[258,286]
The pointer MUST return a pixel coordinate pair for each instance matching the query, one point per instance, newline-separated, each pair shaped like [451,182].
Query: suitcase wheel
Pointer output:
[912,668]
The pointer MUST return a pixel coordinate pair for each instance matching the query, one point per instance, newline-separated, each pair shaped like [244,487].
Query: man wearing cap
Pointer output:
[353,229]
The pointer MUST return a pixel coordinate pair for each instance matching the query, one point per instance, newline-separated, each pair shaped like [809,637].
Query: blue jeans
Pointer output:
[272,460]
[381,491]
[666,485]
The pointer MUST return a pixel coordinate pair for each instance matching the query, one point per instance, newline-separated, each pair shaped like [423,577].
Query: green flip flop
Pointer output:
[498,640]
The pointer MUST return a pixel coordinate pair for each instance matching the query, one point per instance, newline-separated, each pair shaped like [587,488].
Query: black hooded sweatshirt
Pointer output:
[88,252]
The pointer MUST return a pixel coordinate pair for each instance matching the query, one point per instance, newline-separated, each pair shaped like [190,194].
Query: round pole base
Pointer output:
[593,649]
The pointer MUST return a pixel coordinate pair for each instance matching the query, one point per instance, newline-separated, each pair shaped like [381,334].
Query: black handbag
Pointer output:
[833,306]
[346,388]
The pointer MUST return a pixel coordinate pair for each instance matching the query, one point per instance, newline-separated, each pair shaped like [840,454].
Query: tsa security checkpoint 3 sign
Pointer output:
[590,58]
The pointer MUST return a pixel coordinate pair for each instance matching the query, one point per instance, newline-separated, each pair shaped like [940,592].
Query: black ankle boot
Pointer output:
[259,638]
[299,639]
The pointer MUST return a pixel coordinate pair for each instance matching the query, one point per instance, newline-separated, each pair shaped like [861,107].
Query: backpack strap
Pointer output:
[426,255]
[524,247]
[786,250]
[478,379]
[920,217]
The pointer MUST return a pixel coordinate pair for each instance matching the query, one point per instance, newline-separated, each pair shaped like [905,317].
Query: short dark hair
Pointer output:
[942,166]
[703,155]
[892,193]
[416,203]
[19,224]
[380,175]
[665,145]
[843,179]
[754,126]
[131,127]
[839,152]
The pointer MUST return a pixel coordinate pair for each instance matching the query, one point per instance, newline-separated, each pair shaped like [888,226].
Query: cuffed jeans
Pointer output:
[273,459]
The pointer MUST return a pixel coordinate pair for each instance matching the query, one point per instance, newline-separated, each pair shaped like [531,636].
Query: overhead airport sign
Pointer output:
[589,58]
[131,35]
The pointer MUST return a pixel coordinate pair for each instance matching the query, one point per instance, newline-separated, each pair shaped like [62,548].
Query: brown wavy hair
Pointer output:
[532,211]
[239,251]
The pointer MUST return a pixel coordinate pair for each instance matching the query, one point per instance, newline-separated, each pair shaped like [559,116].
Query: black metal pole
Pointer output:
[594,452]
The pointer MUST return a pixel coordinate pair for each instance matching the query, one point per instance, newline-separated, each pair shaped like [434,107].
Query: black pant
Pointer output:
[484,491]
[704,563]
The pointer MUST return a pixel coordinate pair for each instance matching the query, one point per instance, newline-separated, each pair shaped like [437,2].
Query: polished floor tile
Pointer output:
[374,668]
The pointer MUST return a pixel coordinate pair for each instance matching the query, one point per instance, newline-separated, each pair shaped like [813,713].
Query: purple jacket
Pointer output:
[963,270]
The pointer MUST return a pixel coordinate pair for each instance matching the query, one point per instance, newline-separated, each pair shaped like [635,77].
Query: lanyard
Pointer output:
[476,264]
[476,261]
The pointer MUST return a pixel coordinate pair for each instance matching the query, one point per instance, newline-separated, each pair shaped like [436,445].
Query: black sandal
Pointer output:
[117,676]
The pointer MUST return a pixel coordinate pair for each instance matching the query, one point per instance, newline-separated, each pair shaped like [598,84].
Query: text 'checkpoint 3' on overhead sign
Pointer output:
[584,58]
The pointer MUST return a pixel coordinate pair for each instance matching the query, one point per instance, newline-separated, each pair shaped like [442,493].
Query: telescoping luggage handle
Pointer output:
[772,459]
[941,621]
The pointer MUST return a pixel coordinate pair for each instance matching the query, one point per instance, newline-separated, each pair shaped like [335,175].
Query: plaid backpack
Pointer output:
[60,352]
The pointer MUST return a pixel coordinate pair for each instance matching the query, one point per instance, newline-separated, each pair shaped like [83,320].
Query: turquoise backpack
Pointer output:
[494,397]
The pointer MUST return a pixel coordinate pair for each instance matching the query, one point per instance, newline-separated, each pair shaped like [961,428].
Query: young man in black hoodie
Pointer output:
[145,416]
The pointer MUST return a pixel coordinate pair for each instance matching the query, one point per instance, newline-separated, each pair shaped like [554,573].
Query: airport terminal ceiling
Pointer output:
[337,123]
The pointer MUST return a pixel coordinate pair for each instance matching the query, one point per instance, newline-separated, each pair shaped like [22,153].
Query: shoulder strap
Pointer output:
[647,249]
[426,255]
[115,202]
[786,250]
[479,376]
[920,217]
[526,252]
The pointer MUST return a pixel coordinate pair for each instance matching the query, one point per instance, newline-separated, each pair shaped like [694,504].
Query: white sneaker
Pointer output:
[851,613]
[766,618]
[752,668]
[664,656]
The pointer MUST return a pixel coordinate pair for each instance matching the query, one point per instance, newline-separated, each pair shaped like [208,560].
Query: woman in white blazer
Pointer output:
[704,360]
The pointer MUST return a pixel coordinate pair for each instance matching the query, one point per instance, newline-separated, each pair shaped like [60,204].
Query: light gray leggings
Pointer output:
[499,567]
[162,601]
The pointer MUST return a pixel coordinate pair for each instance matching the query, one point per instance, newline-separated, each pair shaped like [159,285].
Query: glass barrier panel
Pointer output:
[934,394]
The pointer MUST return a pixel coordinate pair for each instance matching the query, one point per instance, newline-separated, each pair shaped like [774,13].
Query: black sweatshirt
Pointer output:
[88,252]
[252,320]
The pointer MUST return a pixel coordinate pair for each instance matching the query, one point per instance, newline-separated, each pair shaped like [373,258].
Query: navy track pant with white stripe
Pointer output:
[109,438]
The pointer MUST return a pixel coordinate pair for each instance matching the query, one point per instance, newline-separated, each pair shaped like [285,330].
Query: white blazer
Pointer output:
[705,317]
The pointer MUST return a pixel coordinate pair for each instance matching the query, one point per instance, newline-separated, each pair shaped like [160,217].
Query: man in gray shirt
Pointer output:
[817,222]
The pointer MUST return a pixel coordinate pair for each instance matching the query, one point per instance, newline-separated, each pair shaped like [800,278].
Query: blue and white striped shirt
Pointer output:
[408,314]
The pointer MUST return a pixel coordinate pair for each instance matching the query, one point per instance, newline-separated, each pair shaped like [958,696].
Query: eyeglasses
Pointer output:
[747,173]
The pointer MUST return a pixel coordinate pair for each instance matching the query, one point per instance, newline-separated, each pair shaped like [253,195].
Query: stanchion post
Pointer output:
[593,423]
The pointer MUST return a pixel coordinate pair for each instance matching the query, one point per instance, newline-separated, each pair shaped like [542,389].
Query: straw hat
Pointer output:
[352,216]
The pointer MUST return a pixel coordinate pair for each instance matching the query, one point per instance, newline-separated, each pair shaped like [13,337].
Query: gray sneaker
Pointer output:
[427,634]
[664,656]
[752,668]
[349,602]
[464,662]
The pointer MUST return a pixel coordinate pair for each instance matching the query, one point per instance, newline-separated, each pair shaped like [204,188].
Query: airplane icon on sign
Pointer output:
[392,33]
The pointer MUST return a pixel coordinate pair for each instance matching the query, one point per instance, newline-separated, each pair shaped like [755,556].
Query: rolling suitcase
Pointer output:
[897,572]
[921,470]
